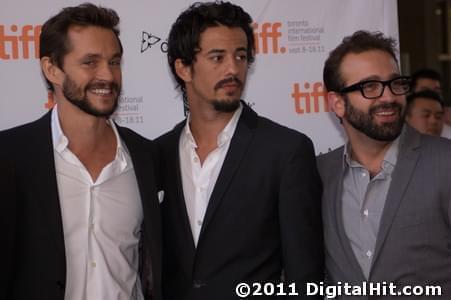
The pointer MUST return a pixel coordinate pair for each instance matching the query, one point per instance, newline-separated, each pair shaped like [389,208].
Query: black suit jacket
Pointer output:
[263,215]
[31,218]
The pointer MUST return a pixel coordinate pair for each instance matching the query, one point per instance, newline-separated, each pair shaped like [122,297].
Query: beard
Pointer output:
[78,96]
[227,105]
[365,123]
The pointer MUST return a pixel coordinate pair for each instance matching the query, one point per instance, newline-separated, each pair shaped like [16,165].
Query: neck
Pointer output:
[367,151]
[207,124]
[91,138]
[84,132]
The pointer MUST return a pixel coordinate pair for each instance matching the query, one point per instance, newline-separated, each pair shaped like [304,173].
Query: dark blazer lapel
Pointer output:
[144,171]
[237,150]
[42,182]
[172,160]
[335,210]
[405,165]
[142,159]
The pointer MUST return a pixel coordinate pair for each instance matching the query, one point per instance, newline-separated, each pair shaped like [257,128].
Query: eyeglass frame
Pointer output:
[359,87]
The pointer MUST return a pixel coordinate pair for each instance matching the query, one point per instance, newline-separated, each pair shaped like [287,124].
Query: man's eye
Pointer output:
[371,86]
[116,62]
[89,62]
[216,58]
[241,57]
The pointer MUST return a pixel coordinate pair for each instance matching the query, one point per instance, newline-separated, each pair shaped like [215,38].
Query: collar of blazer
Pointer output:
[407,160]
[241,139]
[40,175]
[248,118]
[408,155]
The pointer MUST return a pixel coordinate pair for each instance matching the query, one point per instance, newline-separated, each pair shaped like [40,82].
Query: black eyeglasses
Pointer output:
[372,89]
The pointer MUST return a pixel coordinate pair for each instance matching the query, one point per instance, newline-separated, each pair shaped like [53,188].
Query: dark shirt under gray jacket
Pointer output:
[413,238]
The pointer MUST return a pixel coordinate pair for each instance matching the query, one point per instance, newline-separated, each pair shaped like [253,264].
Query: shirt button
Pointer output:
[199,222]
[195,159]
[363,174]
[365,212]
[93,264]
[198,284]
[369,253]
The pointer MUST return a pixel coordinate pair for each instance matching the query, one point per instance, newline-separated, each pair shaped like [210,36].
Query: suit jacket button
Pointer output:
[198,284]
[60,284]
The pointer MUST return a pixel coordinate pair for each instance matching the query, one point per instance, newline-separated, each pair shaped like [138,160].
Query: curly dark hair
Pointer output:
[184,36]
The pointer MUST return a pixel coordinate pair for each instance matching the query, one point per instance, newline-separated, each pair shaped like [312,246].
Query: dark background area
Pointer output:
[424,38]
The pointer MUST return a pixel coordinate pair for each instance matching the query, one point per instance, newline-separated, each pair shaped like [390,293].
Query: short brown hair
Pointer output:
[359,42]
[53,40]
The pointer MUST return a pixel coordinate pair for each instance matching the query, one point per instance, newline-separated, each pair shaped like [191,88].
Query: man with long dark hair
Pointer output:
[242,193]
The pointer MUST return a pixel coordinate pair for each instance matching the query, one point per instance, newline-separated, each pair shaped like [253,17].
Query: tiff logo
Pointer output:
[27,37]
[304,100]
[267,37]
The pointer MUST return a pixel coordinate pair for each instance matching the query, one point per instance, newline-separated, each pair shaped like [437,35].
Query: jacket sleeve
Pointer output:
[8,219]
[300,220]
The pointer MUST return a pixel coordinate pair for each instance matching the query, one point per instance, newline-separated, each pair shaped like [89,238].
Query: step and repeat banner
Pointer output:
[293,39]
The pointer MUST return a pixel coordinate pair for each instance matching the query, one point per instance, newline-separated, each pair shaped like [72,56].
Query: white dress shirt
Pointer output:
[101,223]
[199,180]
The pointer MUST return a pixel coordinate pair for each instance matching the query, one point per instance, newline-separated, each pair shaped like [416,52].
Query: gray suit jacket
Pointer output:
[413,245]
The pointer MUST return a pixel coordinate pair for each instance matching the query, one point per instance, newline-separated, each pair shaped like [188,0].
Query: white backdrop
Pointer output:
[294,38]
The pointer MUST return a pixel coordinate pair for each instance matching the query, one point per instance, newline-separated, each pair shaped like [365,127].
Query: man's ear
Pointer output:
[337,103]
[51,71]
[183,71]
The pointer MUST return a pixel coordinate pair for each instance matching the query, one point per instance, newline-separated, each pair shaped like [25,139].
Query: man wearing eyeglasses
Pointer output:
[386,199]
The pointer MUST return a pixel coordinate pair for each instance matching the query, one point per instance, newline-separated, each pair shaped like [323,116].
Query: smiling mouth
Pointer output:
[101,92]
[103,89]
[386,113]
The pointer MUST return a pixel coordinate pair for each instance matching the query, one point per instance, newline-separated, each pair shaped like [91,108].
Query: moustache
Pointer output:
[383,106]
[232,79]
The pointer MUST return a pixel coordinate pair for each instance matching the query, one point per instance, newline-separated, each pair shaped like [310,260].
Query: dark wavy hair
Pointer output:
[53,40]
[184,36]
[359,42]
